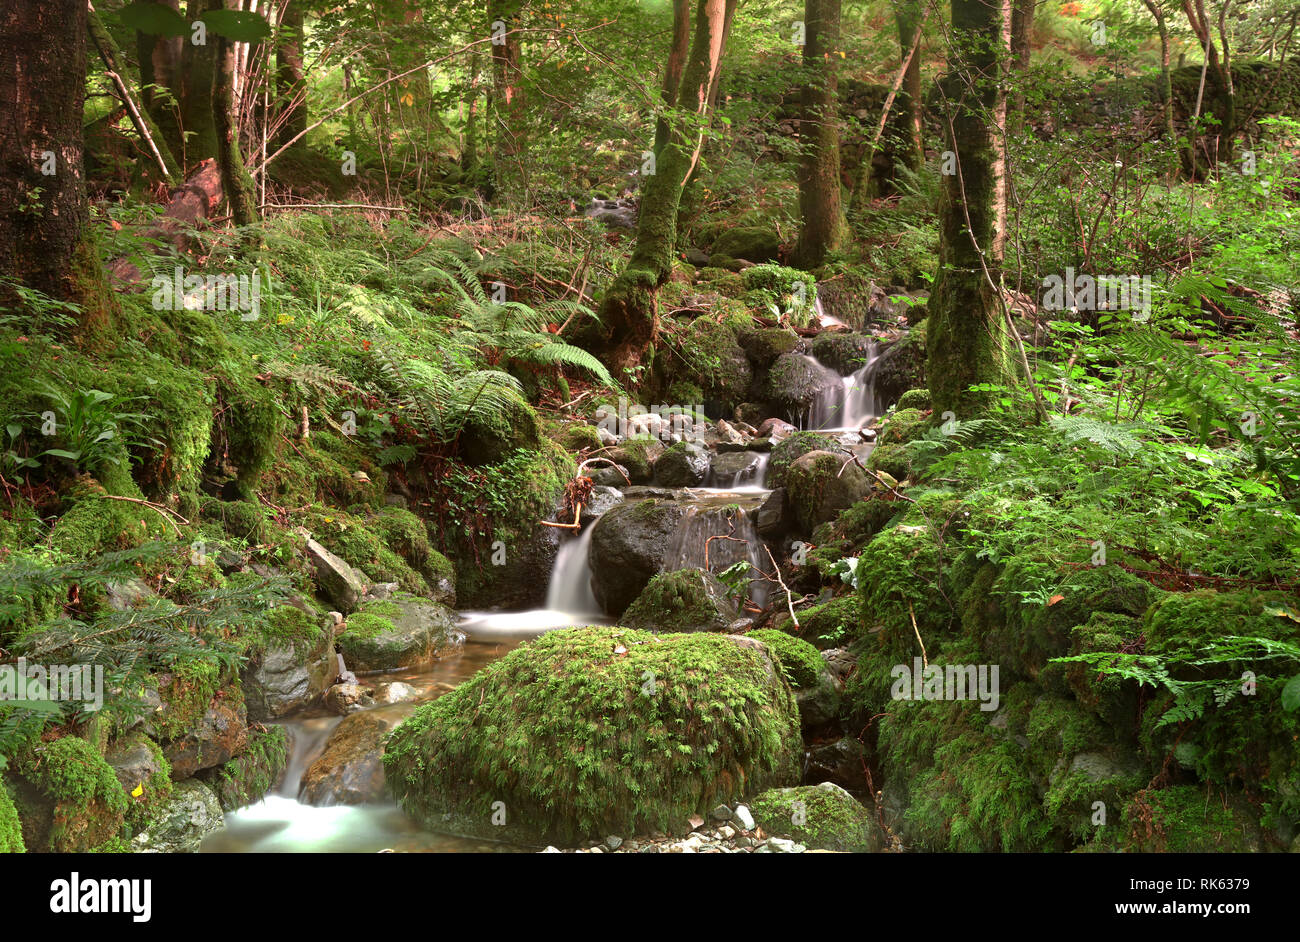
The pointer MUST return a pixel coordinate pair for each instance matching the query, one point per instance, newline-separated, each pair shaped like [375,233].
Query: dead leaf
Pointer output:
[1054,599]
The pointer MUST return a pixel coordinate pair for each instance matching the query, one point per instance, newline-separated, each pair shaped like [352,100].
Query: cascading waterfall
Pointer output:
[569,590]
[851,405]
[749,480]
[691,547]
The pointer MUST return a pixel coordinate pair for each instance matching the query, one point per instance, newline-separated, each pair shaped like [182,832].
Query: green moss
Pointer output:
[490,436]
[598,731]
[89,804]
[355,540]
[579,437]
[94,522]
[716,360]
[854,528]
[903,426]
[800,661]
[241,519]
[832,623]
[791,449]
[249,776]
[635,456]
[364,626]
[1183,819]
[11,831]
[155,791]
[822,817]
[114,845]
[681,600]
[914,399]
[286,625]
[186,692]
[891,460]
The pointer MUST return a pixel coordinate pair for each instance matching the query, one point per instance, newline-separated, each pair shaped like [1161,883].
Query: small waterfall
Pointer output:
[306,745]
[691,544]
[748,480]
[569,590]
[824,319]
[850,406]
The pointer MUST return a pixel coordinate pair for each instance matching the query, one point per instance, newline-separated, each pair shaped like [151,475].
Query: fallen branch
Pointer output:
[789,599]
[164,511]
[925,660]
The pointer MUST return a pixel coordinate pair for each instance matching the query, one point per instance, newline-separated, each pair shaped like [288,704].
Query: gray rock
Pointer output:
[610,477]
[287,677]
[742,818]
[796,381]
[423,631]
[345,699]
[350,769]
[395,692]
[127,595]
[602,499]
[190,815]
[628,547]
[683,465]
[734,468]
[337,581]
[220,734]
[133,761]
[774,518]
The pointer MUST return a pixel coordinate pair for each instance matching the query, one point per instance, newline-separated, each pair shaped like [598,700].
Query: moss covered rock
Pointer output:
[816,691]
[764,344]
[901,367]
[843,352]
[488,437]
[247,778]
[821,817]
[682,600]
[795,382]
[717,362]
[684,464]
[790,449]
[892,460]
[350,770]
[291,661]
[144,774]
[752,243]
[11,830]
[915,399]
[593,731]
[820,484]
[189,815]
[68,798]
[629,546]
[402,631]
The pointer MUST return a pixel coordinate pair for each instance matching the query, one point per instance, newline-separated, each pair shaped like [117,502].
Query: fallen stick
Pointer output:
[789,599]
[159,508]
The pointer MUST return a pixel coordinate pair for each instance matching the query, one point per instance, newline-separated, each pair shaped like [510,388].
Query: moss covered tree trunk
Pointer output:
[966,339]
[628,312]
[236,183]
[678,49]
[44,214]
[820,206]
[290,78]
[1022,25]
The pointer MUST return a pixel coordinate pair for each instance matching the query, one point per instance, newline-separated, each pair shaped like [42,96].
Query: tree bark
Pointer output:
[966,336]
[162,86]
[44,218]
[819,133]
[198,71]
[290,78]
[237,184]
[677,51]
[629,312]
[1022,25]
[1166,80]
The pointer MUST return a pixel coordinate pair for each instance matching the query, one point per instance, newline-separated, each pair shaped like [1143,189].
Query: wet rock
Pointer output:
[220,734]
[841,762]
[628,547]
[350,770]
[617,214]
[900,367]
[683,465]
[344,699]
[775,429]
[845,353]
[733,468]
[288,676]
[190,815]
[774,518]
[610,476]
[395,692]
[403,631]
[795,382]
[335,579]
[601,500]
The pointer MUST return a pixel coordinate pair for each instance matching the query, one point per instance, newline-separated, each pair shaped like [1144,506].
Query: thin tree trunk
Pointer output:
[1166,80]
[44,217]
[1022,25]
[677,52]
[819,133]
[628,312]
[966,336]
[198,76]
[236,182]
[290,77]
[161,84]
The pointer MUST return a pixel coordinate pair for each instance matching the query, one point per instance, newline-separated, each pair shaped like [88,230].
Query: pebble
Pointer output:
[613,842]
[742,818]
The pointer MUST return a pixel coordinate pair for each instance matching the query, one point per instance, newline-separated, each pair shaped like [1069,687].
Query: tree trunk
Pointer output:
[677,51]
[819,134]
[162,87]
[236,183]
[628,312]
[44,217]
[966,336]
[198,71]
[290,78]
[1166,81]
[1022,25]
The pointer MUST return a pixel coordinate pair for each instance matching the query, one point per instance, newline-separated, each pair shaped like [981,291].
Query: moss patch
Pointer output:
[250,775]
[823,817]
[800,661]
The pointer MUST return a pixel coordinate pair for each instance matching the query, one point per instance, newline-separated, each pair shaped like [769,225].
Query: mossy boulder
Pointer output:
[752,243]
[684,464]
[594,731]
[189,815]
[580,437]
[903,426]
[795,382]
[247,778]
[892,460]
[717,362]
[489,437]
[790,449]
[821,817]
[820,485]
[1183,819]
[291,661]
[843,352]
[764,344]
[350,769]
[68,798]
[682,600]
[915,399]
[629,546]
[403,631]
[203,721]
[832,623]
[816,690]
[636,456]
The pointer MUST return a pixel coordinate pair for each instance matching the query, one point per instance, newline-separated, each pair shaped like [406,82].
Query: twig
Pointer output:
[925,660]
[789,600]
[164,511]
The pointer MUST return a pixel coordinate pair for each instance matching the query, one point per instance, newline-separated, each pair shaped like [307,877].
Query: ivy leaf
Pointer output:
[1291,694]
[153,19]
[237,25]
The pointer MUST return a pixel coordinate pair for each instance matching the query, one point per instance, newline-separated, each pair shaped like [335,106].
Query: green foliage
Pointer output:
[800,661]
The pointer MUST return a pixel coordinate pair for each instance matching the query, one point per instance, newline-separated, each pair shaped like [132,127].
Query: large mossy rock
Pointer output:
[595,731]
[816,690]
[68,798]
[247,778]
[629,546]
[403,631]
[821,817]
[795,382]
[291,664]
[190,815]
[682,600]
[489,437]
[764,344]
[843,352]
[790,449]
[755,244]
[819,485]
[199,726]
[716,360]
